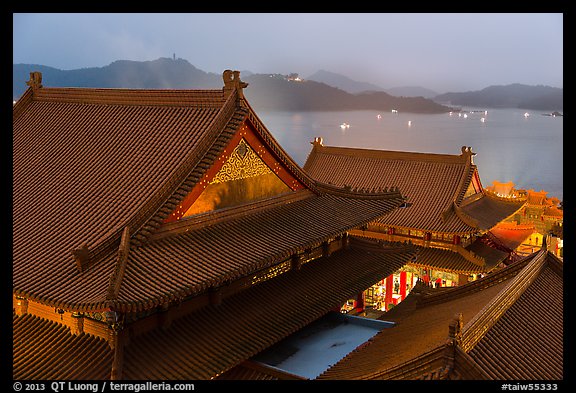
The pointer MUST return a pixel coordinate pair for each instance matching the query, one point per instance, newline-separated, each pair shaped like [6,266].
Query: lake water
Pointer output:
[509,146]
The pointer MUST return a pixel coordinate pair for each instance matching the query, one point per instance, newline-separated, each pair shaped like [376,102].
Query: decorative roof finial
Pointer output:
[317,141]
[81,256]
[467,154]
[232,82]
[35,81]
[455,329]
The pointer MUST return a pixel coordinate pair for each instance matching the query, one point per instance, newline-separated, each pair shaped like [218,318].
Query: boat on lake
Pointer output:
[553,114]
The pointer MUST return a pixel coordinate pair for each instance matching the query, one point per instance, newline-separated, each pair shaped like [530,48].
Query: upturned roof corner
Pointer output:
[232,82]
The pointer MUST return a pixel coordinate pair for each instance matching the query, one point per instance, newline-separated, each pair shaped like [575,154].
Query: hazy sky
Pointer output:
[443,52]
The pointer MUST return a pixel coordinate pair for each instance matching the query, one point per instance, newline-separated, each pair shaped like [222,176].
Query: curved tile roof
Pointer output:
[86,162]
[446,260]
[44,350]
[190,262]
[512,330]
[213,340]
[91,164]
[528,339]
[434,184]
[490,210]
[511,234]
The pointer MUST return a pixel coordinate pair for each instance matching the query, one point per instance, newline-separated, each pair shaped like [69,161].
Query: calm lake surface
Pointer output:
[509,146]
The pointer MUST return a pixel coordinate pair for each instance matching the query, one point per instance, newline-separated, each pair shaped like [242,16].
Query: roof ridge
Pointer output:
[20,106]
[359,193]
[469,288]
[118,274]
[181,181]
[479,324]
[465,178]
[382,246]
[210,218]
[130,96]
[464,182]
[300,174]
[319,147]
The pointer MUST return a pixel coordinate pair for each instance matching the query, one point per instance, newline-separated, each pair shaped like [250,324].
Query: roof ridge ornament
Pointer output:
[455,328]
[467,154]
[232,82]
[82,257]
[317,142]
[35,81]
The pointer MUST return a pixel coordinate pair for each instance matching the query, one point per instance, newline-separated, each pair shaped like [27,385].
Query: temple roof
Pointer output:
[98,171]
[44,350]
[511,234]
[450,261]
[216,338]
[511,328]
[527,342]
[436,186]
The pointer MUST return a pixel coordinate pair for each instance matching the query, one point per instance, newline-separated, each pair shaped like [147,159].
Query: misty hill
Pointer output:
[163,73]
[351,86]
[411,91]
[265,92]
[342,82]
[509,96]
[271,92]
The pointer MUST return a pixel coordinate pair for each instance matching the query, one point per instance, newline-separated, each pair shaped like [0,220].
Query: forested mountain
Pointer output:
[508,96]
[265,91]
[351,86]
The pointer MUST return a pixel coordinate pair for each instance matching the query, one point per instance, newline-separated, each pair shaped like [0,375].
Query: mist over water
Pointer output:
[509,146]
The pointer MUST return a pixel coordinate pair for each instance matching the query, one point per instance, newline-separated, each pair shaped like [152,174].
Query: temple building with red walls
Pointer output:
[506,326]
[448,215]
[170,225]
[541,217]
[166,235]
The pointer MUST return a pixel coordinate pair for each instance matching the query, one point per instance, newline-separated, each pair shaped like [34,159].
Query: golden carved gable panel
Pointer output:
[243,178]
[243,163]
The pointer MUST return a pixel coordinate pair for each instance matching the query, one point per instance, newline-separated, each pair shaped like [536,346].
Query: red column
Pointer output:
[402,285]
[389,289]
[456,239]
[360,302]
